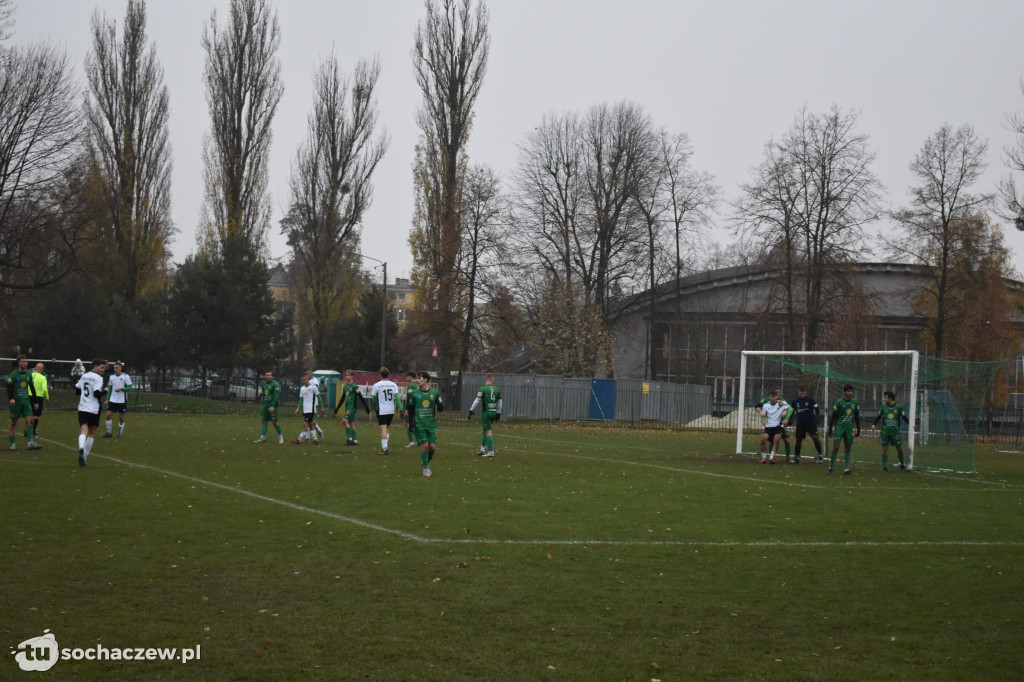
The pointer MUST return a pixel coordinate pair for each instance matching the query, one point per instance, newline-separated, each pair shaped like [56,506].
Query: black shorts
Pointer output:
[118,408]
[385,419]
[88,419]
[772,431]
[309,417]
[804,431]
[37,407]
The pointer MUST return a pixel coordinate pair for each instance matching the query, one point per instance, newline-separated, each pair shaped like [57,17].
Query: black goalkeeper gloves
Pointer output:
[470,415]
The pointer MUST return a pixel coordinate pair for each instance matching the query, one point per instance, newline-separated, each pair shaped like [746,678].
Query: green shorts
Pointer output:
[486,419]
[843,433]
[890,438]
[267,417]
[21,409]
[425,434]
[350,415]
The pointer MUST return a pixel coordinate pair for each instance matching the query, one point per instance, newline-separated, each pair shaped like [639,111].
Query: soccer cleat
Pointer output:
[316,442]
[426,471]
[820,459]
[885,468]
[902,467]
[763,460]
[771,460]
[846,472]
[32,445]
[383,452]
[261,439]
[355,442]
[489,453]
[81,457]
[830,471]
[319,433]
[296,441]
[13,447]
[411,445]
[280,439]
[108,435]
[482,452]
[796,460]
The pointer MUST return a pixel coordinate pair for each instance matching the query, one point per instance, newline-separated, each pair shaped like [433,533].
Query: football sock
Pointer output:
[263,431]
[277,427]
[846,459]
[832,461]
[787,449]
[12,440]
[899,453]
[483,441]
[110,425]
[412,438]
[885,460]
[120,428]
[81,441]
[490,443]
[88,444]
[30,432]
[425,458]
[383,443]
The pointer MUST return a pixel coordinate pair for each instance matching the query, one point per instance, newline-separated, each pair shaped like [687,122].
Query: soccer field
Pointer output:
[576,553]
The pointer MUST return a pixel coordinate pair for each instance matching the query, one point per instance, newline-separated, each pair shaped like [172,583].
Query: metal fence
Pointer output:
[556,398]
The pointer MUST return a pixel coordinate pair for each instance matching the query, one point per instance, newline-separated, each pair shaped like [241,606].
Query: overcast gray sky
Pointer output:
[730,73]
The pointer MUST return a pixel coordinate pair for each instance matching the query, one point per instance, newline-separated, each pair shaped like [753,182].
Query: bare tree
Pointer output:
[674,201]
[1012,198]
[6,19]
[331,189]
[243,88]
[550,194]
[482,253]
[935,229]
[127,110]
[807,207]
[452,44]
[40,134]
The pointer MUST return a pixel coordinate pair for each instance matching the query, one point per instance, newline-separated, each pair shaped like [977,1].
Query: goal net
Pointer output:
[943,399]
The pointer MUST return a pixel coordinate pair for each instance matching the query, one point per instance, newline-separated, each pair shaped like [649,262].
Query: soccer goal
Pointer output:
[943,399]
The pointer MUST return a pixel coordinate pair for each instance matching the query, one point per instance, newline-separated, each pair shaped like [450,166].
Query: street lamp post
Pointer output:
[383,306]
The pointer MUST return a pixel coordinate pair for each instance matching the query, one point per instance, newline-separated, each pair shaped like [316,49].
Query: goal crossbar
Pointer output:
[912,404]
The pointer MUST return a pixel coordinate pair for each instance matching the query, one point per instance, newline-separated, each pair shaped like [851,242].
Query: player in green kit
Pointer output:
[489,397]
[423,404]
[271,392]
[890,416]
[845,416]
[20,393]
[349,395]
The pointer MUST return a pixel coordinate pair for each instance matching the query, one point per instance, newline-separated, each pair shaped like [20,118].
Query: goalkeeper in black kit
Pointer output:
[805,411]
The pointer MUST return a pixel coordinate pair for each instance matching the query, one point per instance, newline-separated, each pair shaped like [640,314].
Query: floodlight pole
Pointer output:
[383,306]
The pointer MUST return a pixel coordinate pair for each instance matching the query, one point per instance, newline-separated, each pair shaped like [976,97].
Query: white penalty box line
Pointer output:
[528,542]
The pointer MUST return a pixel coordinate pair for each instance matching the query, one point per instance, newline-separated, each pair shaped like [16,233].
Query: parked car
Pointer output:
[235,389]
[184,386]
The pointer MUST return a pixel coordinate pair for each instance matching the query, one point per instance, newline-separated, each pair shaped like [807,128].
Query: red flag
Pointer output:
[434,353]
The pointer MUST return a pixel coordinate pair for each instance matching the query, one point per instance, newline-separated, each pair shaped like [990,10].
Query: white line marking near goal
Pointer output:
[492,541]
[811,463]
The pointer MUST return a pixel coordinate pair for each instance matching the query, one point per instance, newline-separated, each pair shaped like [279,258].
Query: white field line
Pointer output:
[525,542]
[698,472]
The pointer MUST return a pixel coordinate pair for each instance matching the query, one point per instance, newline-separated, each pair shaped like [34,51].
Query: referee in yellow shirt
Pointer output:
[42,394]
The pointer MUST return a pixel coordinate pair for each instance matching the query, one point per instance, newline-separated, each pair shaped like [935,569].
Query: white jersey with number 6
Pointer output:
[385,391]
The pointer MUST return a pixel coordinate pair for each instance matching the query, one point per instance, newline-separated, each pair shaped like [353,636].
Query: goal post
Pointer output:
[942,399]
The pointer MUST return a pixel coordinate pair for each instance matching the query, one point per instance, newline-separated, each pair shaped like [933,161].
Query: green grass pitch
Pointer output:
[577,553]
